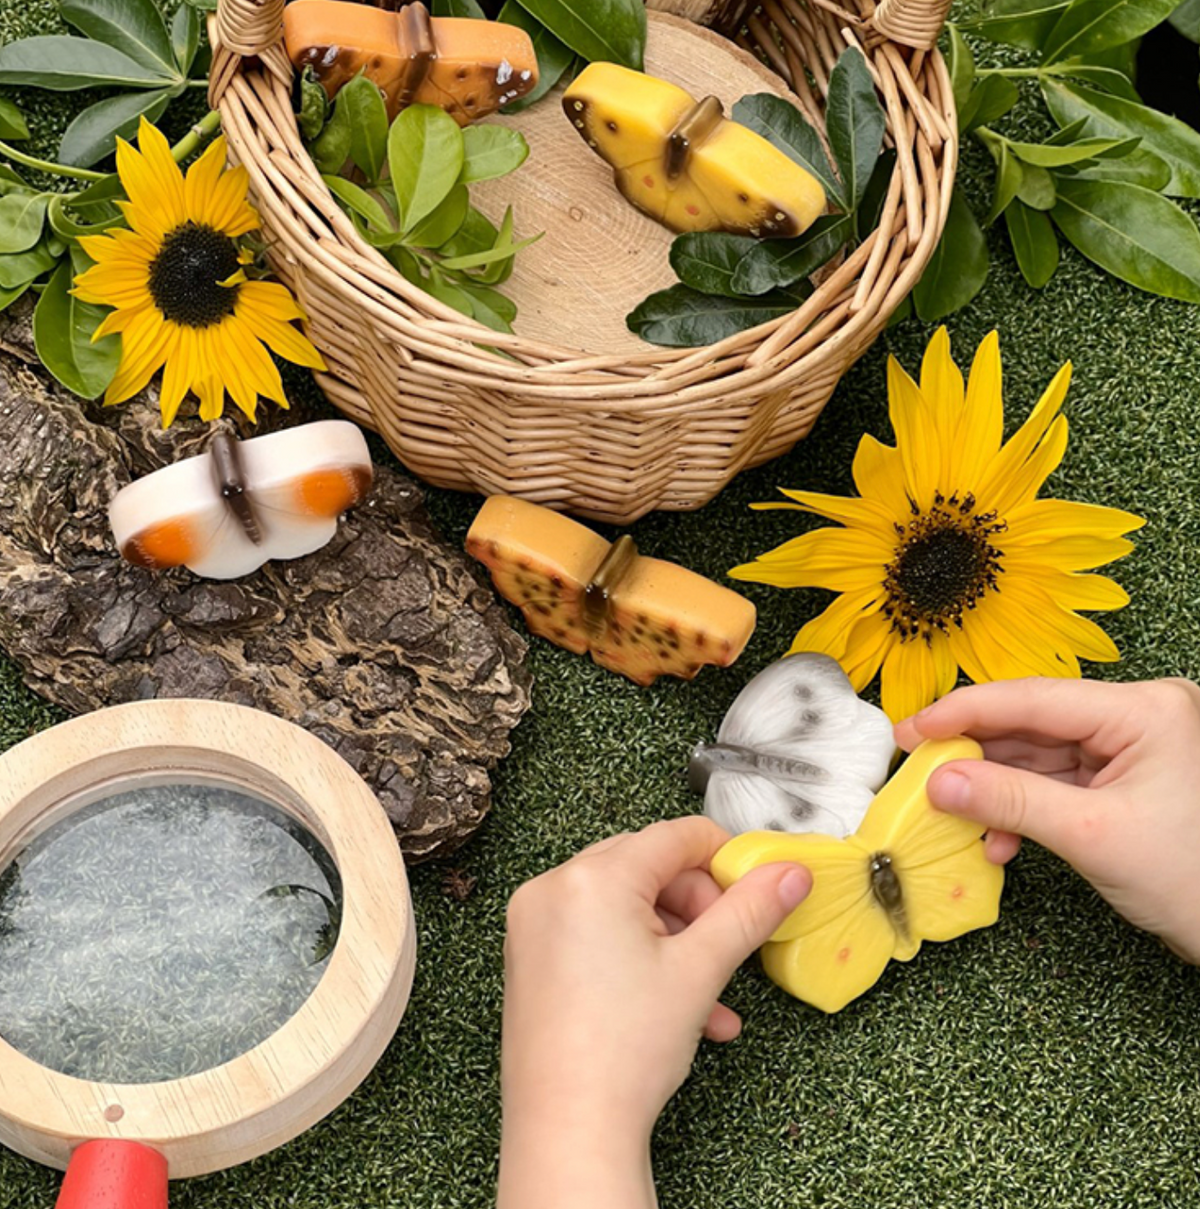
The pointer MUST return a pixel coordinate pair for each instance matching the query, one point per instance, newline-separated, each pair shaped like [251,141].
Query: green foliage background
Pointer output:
[1051,1060]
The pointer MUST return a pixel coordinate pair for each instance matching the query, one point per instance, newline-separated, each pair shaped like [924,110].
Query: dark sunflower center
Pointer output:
[945,562]
[186,275]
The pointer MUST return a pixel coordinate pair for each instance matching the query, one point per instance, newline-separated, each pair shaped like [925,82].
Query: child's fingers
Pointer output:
[1068,710]
[742,919]
[724,1024]
[1001,846]
[653,858]
[690,894]
[1012,800]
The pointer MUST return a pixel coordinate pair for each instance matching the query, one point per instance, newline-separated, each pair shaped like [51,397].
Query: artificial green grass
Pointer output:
[1051,1060]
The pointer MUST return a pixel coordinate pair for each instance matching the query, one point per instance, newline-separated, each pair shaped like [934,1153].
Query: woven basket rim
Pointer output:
[677,375]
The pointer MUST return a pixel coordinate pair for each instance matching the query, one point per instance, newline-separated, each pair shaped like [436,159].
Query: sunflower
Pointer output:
[178,282]
[948,559]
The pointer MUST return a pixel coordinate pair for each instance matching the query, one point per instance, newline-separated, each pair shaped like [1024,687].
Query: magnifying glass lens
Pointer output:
[162,931]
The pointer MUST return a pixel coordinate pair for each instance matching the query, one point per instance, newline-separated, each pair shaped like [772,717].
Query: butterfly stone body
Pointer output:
[798,751]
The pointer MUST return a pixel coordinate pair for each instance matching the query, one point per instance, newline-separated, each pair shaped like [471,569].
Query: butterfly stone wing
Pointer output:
[797,751]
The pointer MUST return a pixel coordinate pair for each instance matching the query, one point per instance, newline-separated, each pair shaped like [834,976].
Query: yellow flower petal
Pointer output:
[830,633]
[864,514]
[1041,520]
[909,681]
[982,426]
[916,437]
[879,475]
[866,648]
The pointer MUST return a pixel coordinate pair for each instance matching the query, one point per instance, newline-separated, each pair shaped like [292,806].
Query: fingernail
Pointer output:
[793,886]
[950,789]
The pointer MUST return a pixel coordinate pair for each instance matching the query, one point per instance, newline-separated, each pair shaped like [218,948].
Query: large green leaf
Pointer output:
[958,268]
[12,122]
[1034,243]
[1107,116]
[1186,19]
[613,31]
[962,67]
[707,260]
[1133,233]
[22,216]
[476,234]
[685,318]
[870,209]
[366,114]
[489,306]
[1009,178]
[94,132]
[425,150]
[8,297]
[1107,79]
[444,223]
[854,121]
[185,36]
[331,149]
[1059,156]
[491,151]
[991,98]
[1037,188]
[20,268]
[458,8]
[62,330]
[782,125]
[1023,23]
[65,64]
[553,56]
[134,27]
[358,200]
[1091,25]
[783,262]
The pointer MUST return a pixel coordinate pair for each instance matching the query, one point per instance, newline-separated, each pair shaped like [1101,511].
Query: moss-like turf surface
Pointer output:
[1051,1060]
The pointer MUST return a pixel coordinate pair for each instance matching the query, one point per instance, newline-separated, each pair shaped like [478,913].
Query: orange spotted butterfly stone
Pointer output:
[642,617]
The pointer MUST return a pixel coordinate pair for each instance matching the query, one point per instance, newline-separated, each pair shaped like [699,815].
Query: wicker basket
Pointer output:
[608,436]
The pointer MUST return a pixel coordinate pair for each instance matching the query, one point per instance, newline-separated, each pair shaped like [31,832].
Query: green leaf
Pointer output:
[65,227]
[1023,23]
[854,121]
[553,56]
[1090,25]
[500,270]
[65,64]
[62,332]
[1186,19]
[1037,188]
[958,268]
[962,66]
[22,216]
[782,262]
[11,181]
[1133,233]
[185,36]
[685,318]
[1045,156]
[314,106]
[610,30]
[502,251]
[8,297]
[1034,243]
[446,291]
[407,264]
[98,193]
[1107,79]
[991,98]
[491,151]
[782,125]
[331,150]
[1009,177]
[707,260]
[457,8]
[20,268]
[12,122]
[425,150]
[477,234]
[490,307]
[133,27]
[444,223]
[1107,116]
[870,209]
[358,200]
[93,134]
[366,112]
[203,6]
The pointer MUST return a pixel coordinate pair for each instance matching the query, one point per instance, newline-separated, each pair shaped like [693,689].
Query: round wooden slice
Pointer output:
[599,256]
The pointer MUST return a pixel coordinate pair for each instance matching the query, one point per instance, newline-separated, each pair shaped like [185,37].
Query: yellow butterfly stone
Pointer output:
[909,873]
[683,162]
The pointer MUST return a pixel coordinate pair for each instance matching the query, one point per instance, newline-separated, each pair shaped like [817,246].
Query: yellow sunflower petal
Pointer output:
[200,184]
[262,376]
[945,666]
[830,633]
[291,345]
[178,376]
[879,475]
[1073,591]
[862,514]
[1042,463]
[227,209]
[909,682]
[269,300]
[117,321]
[1046,519]
[978,438]
[1075,552]
[916,436]
[942,387]
[1084,636]
[866,648]
[1030,619]
[144,346]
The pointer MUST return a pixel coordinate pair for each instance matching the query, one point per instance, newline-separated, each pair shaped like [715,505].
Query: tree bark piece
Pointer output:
[725,16]
[386,644]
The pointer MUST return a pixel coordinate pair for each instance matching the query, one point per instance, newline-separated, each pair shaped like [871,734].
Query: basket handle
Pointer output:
[241,30]
[911,22]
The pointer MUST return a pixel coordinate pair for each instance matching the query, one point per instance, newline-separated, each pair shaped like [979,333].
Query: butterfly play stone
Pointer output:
[230,510]
[908,874]
[798,750]
[639,616]
[469,68]
[686,164]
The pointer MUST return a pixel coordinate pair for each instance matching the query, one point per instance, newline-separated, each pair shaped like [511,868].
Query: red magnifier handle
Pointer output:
[111,1174]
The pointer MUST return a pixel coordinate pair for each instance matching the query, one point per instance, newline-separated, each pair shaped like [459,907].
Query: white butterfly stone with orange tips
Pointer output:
[226,512]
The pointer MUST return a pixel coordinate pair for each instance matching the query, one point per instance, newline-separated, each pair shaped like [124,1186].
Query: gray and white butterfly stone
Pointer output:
[797,751]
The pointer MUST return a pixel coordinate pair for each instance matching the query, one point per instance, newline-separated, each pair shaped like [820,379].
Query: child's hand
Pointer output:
[614,965]
[1105,775]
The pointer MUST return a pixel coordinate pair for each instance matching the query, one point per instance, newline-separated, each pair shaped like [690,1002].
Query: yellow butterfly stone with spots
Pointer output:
[909,873]
[683,162]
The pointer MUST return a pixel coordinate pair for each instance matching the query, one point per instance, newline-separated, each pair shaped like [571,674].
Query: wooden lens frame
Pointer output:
[263,1098]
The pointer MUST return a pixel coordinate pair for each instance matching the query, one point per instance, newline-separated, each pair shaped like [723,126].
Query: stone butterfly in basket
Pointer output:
[226,512]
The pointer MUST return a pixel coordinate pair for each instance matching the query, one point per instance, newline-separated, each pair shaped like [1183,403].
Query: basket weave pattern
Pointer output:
[605,436]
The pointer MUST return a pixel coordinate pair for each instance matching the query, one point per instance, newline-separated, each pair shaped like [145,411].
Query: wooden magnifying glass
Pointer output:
[206,943]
